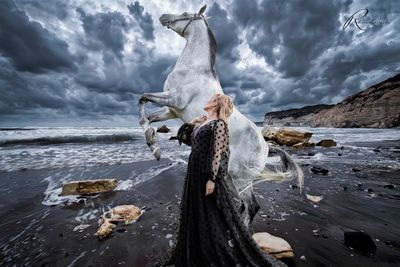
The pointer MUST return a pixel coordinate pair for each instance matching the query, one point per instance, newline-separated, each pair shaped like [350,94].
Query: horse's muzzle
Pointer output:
[165,19]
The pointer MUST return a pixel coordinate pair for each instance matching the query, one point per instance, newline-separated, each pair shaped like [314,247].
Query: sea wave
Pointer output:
[49,140]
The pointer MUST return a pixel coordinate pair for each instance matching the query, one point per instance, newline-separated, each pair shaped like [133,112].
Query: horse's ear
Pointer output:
[202,9]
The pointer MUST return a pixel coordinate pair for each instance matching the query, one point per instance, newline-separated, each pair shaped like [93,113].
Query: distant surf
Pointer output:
[48,140]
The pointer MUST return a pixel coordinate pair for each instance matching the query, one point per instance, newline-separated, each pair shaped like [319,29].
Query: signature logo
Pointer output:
[359,18]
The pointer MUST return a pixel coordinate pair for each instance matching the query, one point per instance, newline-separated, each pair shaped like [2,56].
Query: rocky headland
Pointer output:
[376,107]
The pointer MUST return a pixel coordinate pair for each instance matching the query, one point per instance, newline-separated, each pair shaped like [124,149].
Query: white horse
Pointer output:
[191,83]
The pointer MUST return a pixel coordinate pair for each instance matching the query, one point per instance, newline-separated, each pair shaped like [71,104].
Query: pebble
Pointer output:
[168,236]
[389,186]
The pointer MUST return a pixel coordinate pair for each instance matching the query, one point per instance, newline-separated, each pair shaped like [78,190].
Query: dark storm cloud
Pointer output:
[225,31]
[125,80]
[22,93]
[143,18]
[104,30]
[28,45]
[316,60]
[251,84]
[364,58]
[58,8]
[303,30]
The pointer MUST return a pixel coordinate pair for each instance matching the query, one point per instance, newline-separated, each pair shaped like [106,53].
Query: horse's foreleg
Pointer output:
[160,98]
[159,115]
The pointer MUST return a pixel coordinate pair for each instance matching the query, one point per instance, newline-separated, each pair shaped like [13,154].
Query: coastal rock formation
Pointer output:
[273,245]
[89,187]
[285,136]
[375,107]
[294,117]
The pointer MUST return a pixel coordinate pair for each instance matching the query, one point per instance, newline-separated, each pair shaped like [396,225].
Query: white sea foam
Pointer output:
[71,147]
[55,182]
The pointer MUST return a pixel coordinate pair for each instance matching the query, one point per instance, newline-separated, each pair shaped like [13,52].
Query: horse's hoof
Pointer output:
[157,153]
[142,99]
[149,134]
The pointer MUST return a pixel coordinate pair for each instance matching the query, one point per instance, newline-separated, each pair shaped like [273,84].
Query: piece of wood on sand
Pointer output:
[89,187]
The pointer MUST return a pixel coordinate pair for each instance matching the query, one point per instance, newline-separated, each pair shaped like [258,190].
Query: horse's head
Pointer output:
[181,23]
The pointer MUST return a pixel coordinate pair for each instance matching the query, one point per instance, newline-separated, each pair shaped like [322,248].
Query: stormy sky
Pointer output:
[86,62]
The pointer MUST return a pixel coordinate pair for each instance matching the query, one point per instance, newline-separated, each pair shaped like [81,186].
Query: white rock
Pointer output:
[273,245]
[314,198]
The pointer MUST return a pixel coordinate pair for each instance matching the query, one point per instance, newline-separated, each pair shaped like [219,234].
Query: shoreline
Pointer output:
[39,235]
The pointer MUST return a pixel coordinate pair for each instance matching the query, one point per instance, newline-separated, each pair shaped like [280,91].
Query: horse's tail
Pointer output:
[278,175]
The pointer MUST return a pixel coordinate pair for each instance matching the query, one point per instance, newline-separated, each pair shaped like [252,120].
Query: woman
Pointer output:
[210,231]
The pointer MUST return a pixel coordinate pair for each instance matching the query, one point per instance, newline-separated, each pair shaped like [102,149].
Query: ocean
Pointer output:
[43,147]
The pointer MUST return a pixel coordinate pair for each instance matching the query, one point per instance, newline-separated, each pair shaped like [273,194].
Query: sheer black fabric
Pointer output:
[210,231]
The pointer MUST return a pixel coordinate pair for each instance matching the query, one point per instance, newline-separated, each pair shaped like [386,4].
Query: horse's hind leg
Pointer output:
[251,206]
[161,114]
[235,194]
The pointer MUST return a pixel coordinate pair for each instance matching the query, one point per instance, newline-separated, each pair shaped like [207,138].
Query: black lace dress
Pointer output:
[210,231]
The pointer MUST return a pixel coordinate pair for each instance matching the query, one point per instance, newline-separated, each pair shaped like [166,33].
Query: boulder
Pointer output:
[126,213]
[314,198]
[389,186]
[326,143]
[105,229]
[360,241]
[304,144]
[273,245]
[286,136]
[110,219]
[163,129]
[89,187]
[319,170]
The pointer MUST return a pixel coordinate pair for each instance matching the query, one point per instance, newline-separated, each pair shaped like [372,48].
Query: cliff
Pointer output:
[376,107]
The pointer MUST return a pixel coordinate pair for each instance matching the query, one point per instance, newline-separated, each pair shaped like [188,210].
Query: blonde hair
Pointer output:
[224,106]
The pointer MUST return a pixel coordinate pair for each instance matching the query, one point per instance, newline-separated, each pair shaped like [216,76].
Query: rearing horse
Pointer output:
[191,83]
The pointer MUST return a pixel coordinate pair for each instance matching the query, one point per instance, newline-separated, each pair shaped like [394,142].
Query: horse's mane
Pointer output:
[213,50]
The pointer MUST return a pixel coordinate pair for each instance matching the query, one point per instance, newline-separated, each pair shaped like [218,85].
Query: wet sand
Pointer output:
[34,234]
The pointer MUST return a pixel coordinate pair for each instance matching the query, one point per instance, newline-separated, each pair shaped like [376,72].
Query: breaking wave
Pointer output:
[49,140]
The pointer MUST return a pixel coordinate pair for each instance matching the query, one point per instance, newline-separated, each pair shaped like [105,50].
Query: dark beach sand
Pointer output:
[33,234]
